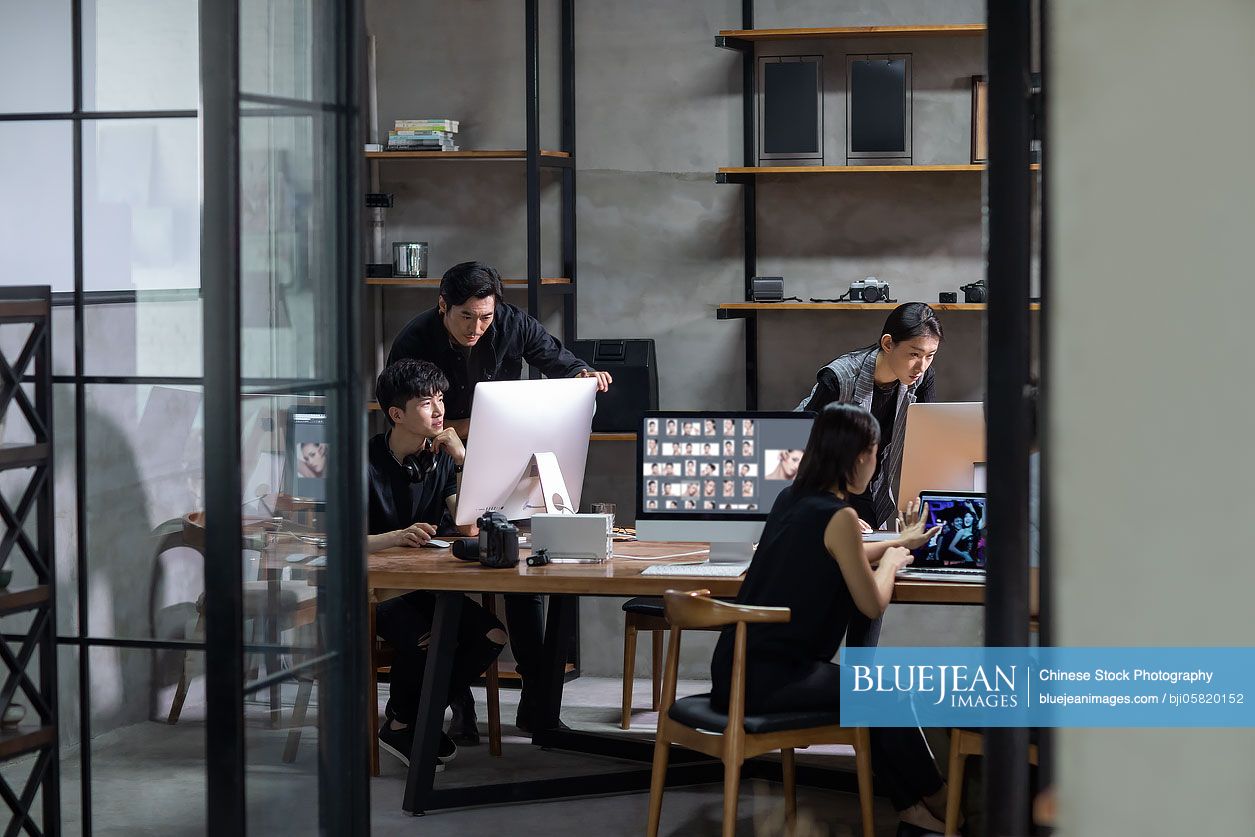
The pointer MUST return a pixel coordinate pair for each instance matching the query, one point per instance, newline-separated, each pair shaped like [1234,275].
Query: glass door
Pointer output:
[284,423]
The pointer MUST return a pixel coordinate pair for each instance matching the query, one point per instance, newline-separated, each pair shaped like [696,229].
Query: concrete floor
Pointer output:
[149,779]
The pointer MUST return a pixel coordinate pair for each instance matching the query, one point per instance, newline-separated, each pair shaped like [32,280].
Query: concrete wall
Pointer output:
[1135,564]
[660,244]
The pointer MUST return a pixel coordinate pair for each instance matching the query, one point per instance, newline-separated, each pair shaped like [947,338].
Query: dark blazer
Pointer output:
[513,337]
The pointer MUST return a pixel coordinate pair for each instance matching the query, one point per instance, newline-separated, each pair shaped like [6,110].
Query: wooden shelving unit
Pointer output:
[742,174]
[853,32]
[510,284]
[748,175]
[548,157]
[739,308]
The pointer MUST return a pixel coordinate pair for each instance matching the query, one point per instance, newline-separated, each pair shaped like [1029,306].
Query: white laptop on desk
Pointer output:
[957,552]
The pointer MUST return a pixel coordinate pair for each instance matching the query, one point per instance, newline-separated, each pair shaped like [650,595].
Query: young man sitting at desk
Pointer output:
[413,472]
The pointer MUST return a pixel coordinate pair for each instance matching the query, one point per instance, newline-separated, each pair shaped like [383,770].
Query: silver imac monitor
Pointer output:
[715,476]
[944,449]
[527,448]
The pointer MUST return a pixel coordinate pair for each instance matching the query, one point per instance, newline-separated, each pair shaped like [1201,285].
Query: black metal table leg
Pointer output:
[559,628]
[432,701]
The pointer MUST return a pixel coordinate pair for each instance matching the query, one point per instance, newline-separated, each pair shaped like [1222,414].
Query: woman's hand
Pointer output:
[414,536]
[897,557]
[913,534]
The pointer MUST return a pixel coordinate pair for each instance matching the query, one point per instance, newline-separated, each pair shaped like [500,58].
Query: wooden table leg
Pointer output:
[432,701]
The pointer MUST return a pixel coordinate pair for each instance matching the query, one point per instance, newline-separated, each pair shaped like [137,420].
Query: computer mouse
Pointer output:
[320,561]
[436,543]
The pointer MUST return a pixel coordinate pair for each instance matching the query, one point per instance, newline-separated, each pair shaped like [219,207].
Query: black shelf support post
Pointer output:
[568,173]
[750,199]
[1008,440]
[532,80]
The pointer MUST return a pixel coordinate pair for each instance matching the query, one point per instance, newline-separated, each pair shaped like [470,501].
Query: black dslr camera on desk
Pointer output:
[870,289]
[975,292]
[496,547]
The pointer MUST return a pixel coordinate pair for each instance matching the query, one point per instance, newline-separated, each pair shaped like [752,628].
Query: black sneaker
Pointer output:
[400,743]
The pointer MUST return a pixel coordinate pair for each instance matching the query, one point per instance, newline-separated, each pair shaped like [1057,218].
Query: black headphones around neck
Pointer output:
[417,466]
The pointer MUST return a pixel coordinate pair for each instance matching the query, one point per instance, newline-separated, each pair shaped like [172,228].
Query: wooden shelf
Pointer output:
[17,741]
[738,174]
[918,31]
[506,154]
[851,306]
[13,601]
[410,282]
[613,437]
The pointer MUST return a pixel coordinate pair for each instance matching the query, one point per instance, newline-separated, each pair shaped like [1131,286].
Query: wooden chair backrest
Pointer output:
[696,609]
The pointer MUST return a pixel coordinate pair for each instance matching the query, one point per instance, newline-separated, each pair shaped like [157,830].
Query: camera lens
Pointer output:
[466,548]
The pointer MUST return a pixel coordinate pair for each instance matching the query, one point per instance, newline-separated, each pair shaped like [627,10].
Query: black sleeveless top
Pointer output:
[791,568]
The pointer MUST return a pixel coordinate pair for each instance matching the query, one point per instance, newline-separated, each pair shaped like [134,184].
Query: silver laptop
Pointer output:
[957,552]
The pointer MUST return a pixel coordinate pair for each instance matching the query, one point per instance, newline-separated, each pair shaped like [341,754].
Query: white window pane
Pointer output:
[141,55]
[141,204]
[35,62]
[36,204]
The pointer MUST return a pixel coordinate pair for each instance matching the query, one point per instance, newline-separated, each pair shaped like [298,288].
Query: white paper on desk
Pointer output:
[694,554]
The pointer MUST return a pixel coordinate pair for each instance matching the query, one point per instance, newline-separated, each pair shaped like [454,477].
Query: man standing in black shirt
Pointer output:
[412,472]
[474,335]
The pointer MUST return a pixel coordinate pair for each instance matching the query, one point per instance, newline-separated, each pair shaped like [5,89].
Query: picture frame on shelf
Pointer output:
[980,119]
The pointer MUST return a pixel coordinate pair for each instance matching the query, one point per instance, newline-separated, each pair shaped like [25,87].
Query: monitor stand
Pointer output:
[731,553]
[552,486]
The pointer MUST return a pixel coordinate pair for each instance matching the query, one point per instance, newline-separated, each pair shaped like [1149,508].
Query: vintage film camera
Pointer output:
[870,289]
[497,545]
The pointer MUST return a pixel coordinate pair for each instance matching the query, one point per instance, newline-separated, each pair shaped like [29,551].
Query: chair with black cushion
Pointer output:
[733,737]
[964,743]
[643,613]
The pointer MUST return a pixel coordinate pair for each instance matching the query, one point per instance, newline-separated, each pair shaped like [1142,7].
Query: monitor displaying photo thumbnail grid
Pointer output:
[709,464]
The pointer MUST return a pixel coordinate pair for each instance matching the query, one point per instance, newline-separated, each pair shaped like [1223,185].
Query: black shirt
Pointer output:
[513,337]
[791,568]
[393,501]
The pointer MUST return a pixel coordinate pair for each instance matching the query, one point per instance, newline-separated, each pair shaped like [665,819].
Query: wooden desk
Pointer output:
[400,570]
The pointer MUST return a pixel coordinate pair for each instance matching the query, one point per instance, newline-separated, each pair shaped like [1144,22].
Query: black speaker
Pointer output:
[634,367]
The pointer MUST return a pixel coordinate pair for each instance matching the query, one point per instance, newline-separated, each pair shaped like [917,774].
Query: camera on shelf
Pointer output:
[870,289]
[975,292]
[497,545]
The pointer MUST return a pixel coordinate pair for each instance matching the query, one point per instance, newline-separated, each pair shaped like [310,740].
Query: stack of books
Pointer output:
[423,135]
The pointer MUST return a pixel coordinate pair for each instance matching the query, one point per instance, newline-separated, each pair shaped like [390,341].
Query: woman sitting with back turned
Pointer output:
[812,560]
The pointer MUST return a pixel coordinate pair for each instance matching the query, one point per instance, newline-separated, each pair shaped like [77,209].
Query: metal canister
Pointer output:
[409,258]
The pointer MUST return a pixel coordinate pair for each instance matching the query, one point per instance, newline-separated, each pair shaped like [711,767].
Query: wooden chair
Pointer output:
[735,737]
[381,655]
[964,743]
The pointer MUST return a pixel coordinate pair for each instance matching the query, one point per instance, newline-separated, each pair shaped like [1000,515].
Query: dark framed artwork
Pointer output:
[980,119]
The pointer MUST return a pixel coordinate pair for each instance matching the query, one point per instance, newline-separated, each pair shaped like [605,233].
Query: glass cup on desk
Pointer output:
[608,510]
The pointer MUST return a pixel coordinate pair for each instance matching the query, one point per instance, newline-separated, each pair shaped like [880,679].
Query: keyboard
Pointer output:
[969,576]
[700,570]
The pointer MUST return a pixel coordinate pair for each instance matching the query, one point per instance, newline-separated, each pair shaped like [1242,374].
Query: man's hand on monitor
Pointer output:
[447,440]
[603,378]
